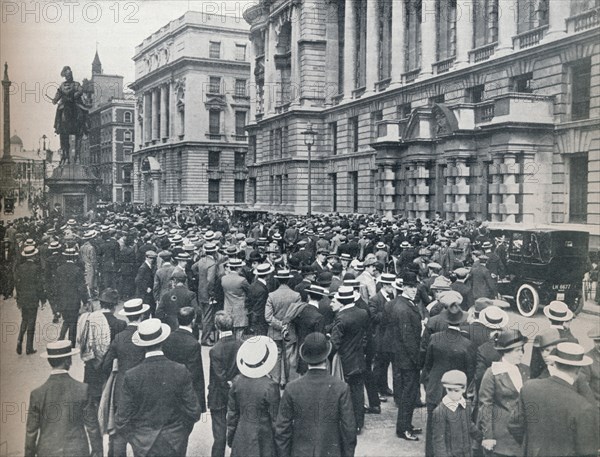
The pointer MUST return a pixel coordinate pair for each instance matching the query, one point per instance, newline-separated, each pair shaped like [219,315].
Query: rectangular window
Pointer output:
[437,99]
[213,190]
[376,116]
[239,160]
[252,148]
[413,34]
[353,131]
[214,159]
[475,94]
[354,184]
[271,144]
[446,29]
[126,175]
[403,111]
[334,197]
[240,87]
[279,142]
[214,85]
[580,89]
[127,154]
[486,22]
[240,52]
[215,50]
[214,122]
[239,194]
[253,189]
[127,136]
[240,123]
[333,136]
[279,181]
[578,188]
[523,83]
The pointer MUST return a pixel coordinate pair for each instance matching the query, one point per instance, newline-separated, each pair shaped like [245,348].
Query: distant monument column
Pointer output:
[7,182]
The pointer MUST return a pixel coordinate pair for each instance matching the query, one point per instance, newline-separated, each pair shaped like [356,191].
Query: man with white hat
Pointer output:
[553,419]
[591,373]
[87,254]
[235,290]
[123,355]
[159,406]
[73,423]
[299,431]
[257,299]
[30,294]
[560,317]
[206,270]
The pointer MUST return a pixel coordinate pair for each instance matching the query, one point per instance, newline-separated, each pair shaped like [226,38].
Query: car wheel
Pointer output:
[528,300]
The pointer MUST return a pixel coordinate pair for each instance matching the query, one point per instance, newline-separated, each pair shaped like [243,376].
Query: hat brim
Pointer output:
[31,254]
[316,358]
[263,273]
[398,286]
[263,366]
[134,313]
[164,334]
[566,318]
[586,360]
[500,325]
[514,345]
[283,277]
[354,298]
[73,351]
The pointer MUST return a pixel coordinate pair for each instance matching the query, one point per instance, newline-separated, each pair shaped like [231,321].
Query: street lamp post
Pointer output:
[309,140]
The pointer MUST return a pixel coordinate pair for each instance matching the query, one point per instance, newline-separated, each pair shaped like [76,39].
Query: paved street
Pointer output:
[20,374]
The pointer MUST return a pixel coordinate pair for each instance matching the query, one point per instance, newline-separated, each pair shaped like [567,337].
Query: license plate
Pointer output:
[560,297]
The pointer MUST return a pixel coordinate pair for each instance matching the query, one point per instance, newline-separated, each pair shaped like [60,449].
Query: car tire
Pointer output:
[527,299]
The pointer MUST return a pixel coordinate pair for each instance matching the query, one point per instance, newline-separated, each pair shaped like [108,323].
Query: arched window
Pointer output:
[128,116]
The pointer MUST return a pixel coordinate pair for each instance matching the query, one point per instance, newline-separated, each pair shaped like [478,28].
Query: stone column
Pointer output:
[372,45]
[510,188]
[333,69]
[349,48]
[448,189]
[155,107]
[252,84]
[464,33]
[421,190]
[387,188]
[558,12]
[507,26]
[147,117]
[271,86]
[164,118]
[295,58]
[398,25]
[494,209]
[428,37]
[461,189]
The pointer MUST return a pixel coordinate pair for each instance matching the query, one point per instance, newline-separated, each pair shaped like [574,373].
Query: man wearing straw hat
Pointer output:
[552,418]
[258,293]
[159,406]
[235,289]
[61,418]
[315,413]
[30,294]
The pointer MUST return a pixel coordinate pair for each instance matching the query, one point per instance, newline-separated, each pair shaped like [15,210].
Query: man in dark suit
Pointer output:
[144,281]
[348,334]
[553,419]
[73,292]
[315,413]
[223,368]
[159,406]
[182,347]
[30,294]
[108,259]
[403,337]
[320,264]
[67,433]
[127,356]
[174,299]
[207,271]
[257,299]
[463,285]
[481,280]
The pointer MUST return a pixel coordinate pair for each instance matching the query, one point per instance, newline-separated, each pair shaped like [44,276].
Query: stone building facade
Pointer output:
[480,109]
[192,107]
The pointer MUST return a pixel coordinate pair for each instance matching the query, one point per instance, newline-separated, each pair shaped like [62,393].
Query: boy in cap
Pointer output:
[453,430]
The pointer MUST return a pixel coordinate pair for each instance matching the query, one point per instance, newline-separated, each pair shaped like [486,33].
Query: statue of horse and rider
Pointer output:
[71,115]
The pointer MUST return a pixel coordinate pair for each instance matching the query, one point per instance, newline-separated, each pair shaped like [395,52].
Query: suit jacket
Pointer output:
[348,338]
[159,407]
[448,350]
[591,373]
[486,354]
[29,284]
[277,304]
[498,401]
[255,302]
[161,280]
[251,413]
[223,368]
[478,333]
[482,282]
[206,270]
[307,321]
[552,419]
[376,307]
[465,289]
[144,280]
[402,334]
[182,347]
[301,289]
[128,355]
[235,288]
[60,435]
[172,301]
[316,418]
[71,287]
[108,255]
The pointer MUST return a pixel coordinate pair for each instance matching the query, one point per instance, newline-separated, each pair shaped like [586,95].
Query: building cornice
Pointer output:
[192,144]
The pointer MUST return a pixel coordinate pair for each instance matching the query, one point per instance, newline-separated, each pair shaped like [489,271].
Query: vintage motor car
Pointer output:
[541,265]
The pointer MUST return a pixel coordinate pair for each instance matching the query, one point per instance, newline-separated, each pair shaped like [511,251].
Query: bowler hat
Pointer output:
[315,349]
[109,295]
[410,279]
[509,339]
[324,278]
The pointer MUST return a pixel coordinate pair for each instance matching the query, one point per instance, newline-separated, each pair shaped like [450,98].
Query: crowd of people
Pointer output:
[303,316]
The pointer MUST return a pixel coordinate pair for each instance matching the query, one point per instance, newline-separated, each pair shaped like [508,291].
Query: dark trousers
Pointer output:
[429,430]
[370,384]
[219,431]
[357,393]
[408,386]
[117,445]
[380,370]
[28,319]
[208,321]
[108,279]
[69,324]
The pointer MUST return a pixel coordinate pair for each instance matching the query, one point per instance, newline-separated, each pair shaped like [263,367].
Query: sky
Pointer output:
[38,38]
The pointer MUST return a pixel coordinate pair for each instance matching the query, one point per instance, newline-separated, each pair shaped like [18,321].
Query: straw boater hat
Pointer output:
[493,317]
[558,311]
[346,294]
[151,332]
[29,251]
[570,354]
[70,252]
[90,234]
[315,349]
[387,278]
[264,269]
[257,356]
[318,290]
[210,247]
[235,263]
[283,274]
[59,349]
[133,307]
[54,245]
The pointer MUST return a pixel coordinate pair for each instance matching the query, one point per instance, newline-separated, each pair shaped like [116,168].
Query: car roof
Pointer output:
[529,228]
